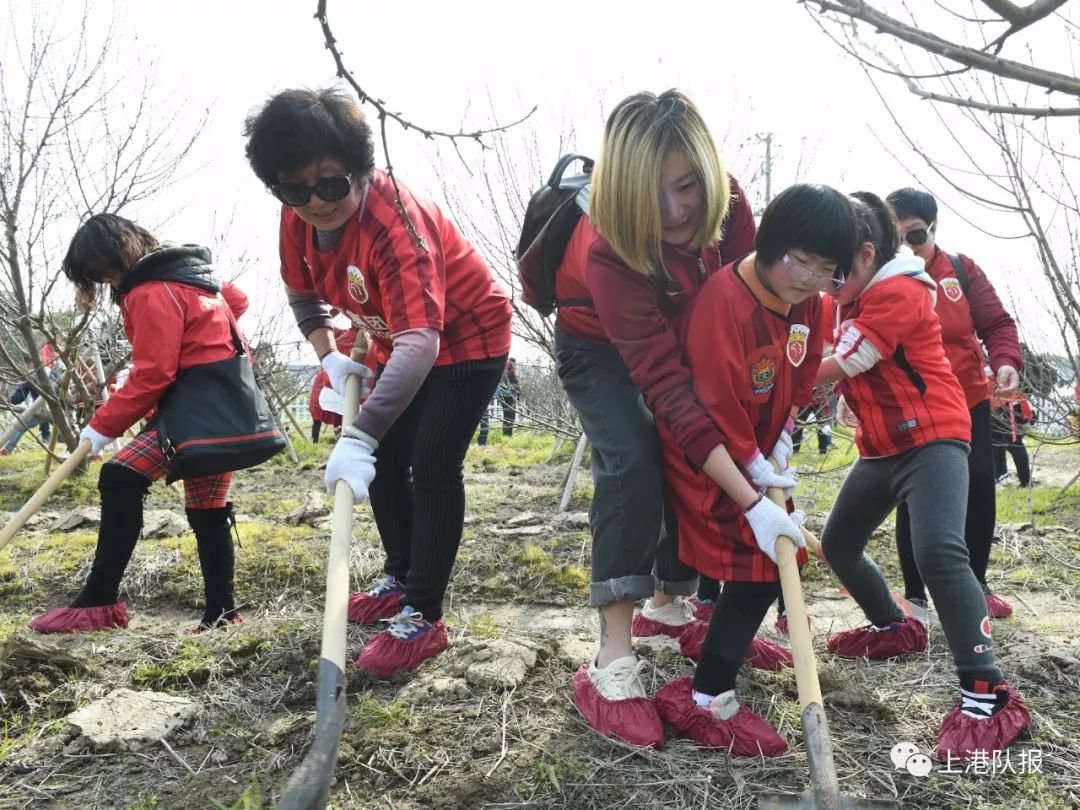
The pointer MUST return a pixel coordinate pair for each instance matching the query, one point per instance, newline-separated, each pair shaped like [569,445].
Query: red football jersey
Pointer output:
[751,357]
[911,396]
[386,283]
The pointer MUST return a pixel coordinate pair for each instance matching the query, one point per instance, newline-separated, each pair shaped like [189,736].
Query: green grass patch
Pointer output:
[192,663]
[368,713]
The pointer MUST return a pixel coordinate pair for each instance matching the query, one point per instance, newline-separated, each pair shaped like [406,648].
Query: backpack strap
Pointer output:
[961,273]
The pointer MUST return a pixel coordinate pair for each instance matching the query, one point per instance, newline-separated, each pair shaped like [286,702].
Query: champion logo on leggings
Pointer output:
[984,626]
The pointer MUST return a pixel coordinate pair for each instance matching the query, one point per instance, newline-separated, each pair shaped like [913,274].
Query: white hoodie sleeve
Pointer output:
[856,353]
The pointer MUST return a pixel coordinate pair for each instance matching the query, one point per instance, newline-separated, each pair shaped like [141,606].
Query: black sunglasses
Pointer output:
[329,189]
[918,236]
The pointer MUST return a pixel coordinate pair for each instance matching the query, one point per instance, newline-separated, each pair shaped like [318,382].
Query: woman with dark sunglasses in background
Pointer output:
[971,317]
[400,270]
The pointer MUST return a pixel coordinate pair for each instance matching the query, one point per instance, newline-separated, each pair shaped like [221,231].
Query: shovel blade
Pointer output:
[806,801]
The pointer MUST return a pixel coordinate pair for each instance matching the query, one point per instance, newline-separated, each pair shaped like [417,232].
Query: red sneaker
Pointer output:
[742,731]
[613,701]
[780,625]
[905,636]
[703,611]
[81,619]
[671,619]
[382,601]
[997,607]
[960,734]
[220,624]
[765,654]
[405,644]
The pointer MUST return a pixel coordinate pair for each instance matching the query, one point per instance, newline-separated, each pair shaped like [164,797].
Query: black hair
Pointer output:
[297,127]
[913,202]
[105,246]
[809,217]
[876,223]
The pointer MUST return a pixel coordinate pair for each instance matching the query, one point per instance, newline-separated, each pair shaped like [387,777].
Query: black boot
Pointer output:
[122,493]
[213,536]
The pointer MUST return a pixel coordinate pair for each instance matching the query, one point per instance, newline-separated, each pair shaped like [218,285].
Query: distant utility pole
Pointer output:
[767,138]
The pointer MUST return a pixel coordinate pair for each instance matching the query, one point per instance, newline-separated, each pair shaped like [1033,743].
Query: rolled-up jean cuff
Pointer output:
[608,592]
[681,588]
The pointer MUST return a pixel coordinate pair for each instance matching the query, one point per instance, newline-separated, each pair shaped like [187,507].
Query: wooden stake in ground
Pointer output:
[310,783]
[571,473]
[52,483]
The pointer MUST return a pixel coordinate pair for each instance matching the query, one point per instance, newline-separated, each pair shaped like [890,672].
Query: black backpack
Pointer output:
[550,218]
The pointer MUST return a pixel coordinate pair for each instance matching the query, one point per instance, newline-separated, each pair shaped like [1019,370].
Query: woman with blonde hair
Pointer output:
[663,216]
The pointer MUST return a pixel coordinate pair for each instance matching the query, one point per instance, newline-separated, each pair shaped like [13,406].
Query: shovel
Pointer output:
[824,792]
[309,784]
[52,483]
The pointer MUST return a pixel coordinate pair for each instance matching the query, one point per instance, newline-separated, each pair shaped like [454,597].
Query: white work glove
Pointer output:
[769,521]
[844,415]
[339,366]
[1007,381]
[762,474]
[352,461]
[785,445]
[97,440]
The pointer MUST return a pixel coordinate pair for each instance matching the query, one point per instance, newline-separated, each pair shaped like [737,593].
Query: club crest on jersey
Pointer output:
[796,343]
[951,288]
[357,286]
[762,376]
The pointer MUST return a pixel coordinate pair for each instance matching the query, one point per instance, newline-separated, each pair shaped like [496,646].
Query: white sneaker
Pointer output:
[619,680]
[675,613]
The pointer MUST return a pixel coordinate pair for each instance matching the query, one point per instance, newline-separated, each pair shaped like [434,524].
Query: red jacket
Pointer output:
[967,319]
[646,326]
[752,357]
[171,326]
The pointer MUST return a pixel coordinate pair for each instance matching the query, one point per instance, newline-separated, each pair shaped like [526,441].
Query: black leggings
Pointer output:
[418,495]
[981,509]
[739,612]
[1004,441]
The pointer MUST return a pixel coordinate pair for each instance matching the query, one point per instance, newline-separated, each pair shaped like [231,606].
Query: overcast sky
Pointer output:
[761,66]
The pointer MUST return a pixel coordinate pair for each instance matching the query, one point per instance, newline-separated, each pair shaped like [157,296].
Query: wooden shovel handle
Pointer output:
[43,493]
[802,650]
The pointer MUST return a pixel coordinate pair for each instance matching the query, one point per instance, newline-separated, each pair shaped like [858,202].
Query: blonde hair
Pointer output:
[624,200]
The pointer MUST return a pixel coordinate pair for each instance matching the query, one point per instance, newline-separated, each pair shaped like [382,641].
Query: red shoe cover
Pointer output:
[367,609]
[765,654]
[633,720]
[692,640]
[997,607]
[81,620]
[746,734]
[703,611]
[780,625]
[384,655]
[220,624]
[905,636]
[960,735]
[643,627]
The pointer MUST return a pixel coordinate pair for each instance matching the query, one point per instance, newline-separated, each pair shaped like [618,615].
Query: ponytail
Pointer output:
[876,223]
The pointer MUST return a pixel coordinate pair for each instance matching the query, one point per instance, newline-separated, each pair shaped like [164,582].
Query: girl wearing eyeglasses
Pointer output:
[913,436]
[401,271]
[971,316]
[753,346]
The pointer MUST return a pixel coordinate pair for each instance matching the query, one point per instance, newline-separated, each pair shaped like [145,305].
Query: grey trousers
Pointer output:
[634,534]
[933,481]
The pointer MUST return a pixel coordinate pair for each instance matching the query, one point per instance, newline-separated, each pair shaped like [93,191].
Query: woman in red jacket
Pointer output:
[971,316]
[663,216]
[174,318]
[400,270]
[914,427]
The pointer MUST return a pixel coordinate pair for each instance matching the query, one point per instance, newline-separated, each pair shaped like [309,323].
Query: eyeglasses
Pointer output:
[328,189]
[918,236]
[801,274]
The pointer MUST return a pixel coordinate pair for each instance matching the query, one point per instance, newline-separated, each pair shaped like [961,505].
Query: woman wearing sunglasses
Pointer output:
[971,317]
[753,346]
[401,271]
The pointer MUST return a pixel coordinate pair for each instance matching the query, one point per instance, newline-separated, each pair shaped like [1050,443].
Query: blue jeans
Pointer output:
[28,423]
[635,541]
